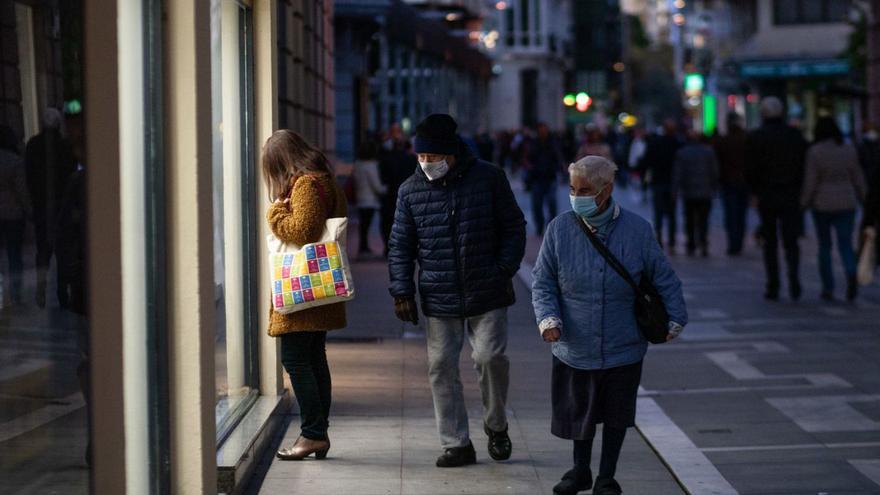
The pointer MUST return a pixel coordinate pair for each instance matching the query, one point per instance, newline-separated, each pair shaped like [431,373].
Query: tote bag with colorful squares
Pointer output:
[312,275]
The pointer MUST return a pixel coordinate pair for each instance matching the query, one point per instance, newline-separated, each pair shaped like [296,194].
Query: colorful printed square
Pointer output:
[288,259]
[314,267]
[288,299]
[305,282]
[330,290]
[298,258]
[318,292]
[308,295]
[285,272]
[294,284]
[278,274]
[334,262]
[278,287]
[321,250]
[277,261]
[327,278]
[285,285]
[279,301]
[298,297]
[316,280]
[340,289]
[324,264]
[332,249]
[311,252]
[303,269]
[337,276]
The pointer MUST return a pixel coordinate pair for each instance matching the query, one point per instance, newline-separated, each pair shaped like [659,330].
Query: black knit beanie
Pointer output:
[436,135]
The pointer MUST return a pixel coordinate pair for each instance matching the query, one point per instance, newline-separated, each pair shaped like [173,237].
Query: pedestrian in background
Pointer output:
[458,219]
[544,158]
[369,191]
[593,144]
[15,209]
[305,195]
[658,163]
[396,164]
[775,174]
[731,152]
[834,186]
[869,151]
[585,309]
[49,163]
[695,178]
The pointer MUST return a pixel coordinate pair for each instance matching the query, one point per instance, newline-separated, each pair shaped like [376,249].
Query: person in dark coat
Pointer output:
[49,163]
[658,162]
[695,178]
[458,219]
[544,158]
[869,152]
[396,164]
[15,209]
[775,155]
[731,152]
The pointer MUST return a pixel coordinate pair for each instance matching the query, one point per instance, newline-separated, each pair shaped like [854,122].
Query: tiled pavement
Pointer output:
[772,398]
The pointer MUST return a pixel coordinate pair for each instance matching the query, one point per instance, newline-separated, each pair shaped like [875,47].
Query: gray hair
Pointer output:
[598,171]
[771,107]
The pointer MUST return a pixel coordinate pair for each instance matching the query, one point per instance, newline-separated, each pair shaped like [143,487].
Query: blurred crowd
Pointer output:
[772,168]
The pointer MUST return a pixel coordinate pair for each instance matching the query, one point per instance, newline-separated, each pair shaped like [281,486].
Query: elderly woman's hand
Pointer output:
[551,334]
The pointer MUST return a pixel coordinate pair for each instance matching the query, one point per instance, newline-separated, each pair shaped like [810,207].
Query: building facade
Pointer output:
[135,357]
[531,59]
[396,65]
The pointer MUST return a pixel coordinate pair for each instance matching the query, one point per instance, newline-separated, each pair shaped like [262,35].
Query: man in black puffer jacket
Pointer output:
[458,219]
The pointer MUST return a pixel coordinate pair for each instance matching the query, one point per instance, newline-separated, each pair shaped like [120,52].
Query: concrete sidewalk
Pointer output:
[382,425]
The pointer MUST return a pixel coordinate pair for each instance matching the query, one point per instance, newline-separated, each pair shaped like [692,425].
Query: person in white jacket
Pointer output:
[368,191]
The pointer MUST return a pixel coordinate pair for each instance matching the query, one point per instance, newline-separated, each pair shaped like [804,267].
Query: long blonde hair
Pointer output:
[286,155]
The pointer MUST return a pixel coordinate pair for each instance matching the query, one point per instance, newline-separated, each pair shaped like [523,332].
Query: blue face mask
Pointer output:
[585,206]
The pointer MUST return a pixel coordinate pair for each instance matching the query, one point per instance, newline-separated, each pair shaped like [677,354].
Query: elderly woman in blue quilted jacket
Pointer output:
[585,309]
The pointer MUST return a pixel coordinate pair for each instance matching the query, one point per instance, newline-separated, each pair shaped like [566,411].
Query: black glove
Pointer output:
[406,310]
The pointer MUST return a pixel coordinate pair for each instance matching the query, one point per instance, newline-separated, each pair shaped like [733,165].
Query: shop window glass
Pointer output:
[233,190]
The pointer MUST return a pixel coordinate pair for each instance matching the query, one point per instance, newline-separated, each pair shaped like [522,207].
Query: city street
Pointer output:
[756,397]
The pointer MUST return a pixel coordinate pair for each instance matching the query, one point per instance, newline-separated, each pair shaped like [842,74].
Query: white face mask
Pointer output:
[435,170]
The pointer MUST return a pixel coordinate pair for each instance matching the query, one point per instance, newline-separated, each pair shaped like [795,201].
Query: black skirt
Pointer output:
[584,398]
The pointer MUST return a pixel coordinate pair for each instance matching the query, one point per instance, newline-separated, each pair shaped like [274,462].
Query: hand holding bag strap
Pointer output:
[603,250]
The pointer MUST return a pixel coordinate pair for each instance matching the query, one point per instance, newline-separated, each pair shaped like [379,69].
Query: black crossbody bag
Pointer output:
[651,315]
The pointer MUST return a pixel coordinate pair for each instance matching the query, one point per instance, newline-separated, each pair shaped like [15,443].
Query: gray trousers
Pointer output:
[487,334]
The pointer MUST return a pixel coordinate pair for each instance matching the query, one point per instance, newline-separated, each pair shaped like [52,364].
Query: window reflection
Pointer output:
[44,365]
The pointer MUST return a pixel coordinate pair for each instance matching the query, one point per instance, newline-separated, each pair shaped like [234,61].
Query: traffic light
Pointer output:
[583,101]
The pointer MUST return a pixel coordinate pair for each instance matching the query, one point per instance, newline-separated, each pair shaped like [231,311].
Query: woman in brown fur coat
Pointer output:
[305,194]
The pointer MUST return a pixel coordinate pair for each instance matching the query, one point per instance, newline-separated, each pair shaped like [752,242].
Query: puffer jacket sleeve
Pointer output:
[545,286]
[511,227]
[301,220]
[402,251]
[664,279]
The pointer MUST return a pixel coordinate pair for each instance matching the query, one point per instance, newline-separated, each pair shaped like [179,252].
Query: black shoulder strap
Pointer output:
[603,250]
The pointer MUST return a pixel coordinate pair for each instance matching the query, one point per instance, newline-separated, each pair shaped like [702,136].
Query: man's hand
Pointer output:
[406,310]
[551,334]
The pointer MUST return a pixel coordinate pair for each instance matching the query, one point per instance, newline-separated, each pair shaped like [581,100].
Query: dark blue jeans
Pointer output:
[543,194]
[304,357]
[843,223]
[736,206]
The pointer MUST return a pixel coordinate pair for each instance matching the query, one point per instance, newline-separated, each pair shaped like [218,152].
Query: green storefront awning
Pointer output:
[794,68]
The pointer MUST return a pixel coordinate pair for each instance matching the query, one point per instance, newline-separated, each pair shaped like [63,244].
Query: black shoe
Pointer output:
[500,446]
[607,486]
[772,294]
[794,290]
[852,288]
[457,457]
[827,296]
[574,481]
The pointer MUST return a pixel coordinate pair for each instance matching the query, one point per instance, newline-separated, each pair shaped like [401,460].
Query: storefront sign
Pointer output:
[795,68]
